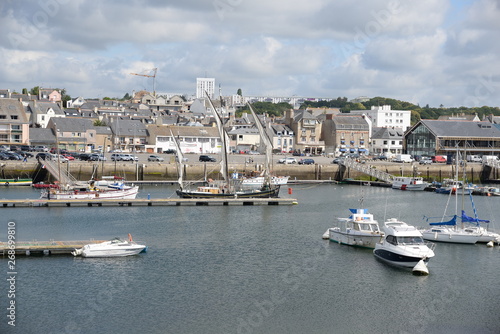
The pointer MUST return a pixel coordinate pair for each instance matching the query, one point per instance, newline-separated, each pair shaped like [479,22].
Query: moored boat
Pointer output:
[409,183]
[113,248]
[16,182]
[359,230]
[403,245]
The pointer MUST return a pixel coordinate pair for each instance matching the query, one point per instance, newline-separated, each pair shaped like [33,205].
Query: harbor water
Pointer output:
[247,269]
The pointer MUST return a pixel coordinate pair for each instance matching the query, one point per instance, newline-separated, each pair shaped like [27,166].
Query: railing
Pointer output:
[63,177]
[367,169]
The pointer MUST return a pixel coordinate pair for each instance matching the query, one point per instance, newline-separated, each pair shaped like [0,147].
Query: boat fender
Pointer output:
[6,183]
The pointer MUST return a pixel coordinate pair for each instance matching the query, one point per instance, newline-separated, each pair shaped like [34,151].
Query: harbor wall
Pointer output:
[169,171]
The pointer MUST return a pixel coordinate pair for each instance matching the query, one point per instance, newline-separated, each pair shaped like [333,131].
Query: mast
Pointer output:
[180,160]
[224,139]
[267,143]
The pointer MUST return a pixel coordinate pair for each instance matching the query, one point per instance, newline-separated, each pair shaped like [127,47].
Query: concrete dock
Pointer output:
[50,247]
[37,203]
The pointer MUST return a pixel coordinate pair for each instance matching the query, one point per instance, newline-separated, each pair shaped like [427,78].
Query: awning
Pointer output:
[342,150]
[362,149]
[353,150]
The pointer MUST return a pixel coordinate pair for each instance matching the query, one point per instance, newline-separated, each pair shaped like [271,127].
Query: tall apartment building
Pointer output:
[205,84]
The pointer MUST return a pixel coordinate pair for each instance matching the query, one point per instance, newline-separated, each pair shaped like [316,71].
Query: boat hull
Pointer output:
[16,182]
[270,193]
[125,251]
[356,240]
[397,259]
[451,237]
[128,193]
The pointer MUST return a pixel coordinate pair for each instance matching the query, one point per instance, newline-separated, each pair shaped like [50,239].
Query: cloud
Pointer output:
[431,51]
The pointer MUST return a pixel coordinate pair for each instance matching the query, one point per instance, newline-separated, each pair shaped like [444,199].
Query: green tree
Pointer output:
[35,90]
[98,122]
[239,92]
[25,91]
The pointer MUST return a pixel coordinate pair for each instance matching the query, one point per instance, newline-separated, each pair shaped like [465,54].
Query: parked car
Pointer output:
[170,151]
[207,158]
[380,157]
[69,157]
[14,155]
[306,162]
[336,161]
[155,158]
[44,156]
[3,156]
[425,161]
[84,156]
[27,148]
[97,157]
[120,157]
[287,161]
[41,148]
[130,157]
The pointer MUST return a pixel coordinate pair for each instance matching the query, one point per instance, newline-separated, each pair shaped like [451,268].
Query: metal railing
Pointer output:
[367,169]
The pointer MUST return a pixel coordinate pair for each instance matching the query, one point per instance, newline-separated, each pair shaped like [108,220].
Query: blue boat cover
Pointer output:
[451,222]
[363,211]
[468,219]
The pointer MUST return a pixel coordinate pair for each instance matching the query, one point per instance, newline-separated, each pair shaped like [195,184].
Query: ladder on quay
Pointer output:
[367,169]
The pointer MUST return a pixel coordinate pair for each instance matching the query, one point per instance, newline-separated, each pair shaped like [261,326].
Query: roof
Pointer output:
[461,129]
[13,107]
[387,133]
[350,121]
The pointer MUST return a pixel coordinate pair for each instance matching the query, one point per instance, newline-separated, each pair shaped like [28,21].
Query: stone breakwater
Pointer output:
[153,171]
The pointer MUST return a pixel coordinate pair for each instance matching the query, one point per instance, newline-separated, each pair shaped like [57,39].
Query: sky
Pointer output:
[428,52]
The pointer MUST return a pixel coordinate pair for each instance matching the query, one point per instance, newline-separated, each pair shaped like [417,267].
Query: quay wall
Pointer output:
[196,171]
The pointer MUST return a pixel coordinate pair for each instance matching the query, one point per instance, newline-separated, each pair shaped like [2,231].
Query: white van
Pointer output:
[403,158]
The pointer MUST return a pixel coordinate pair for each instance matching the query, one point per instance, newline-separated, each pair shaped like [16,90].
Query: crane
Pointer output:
[149,76]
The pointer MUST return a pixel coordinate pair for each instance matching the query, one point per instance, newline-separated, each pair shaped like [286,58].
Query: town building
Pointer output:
[435,137]
[14,124]
[385,117]
[346,133]
[205,85]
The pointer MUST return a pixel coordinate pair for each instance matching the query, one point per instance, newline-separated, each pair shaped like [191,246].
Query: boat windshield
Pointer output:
[410,240]
[366,227]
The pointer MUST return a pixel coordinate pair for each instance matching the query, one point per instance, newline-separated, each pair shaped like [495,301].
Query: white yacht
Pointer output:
[114,248]
[360,230]
[402,245]
[449,232]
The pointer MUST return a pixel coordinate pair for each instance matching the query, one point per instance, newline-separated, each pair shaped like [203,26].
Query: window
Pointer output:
[15,127]
[13,117]
[3,116]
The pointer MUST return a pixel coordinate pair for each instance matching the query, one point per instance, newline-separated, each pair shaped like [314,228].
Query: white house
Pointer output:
[384,117]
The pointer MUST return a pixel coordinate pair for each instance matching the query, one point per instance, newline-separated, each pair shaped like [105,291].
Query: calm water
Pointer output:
[248,270]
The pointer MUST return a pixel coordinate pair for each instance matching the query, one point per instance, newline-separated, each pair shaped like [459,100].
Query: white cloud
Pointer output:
[431,51]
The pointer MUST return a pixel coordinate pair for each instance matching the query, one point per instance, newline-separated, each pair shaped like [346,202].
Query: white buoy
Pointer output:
[326,235]
[490,243]
[420,268]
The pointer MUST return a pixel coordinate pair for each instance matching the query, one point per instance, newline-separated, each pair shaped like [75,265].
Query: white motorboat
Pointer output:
[360,230]
[409,183]
[113,248]
[403,245]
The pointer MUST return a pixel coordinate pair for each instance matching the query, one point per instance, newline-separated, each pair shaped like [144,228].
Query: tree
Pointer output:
[35,90]
[239,92]
[126,97]
[25,91]
[98,122]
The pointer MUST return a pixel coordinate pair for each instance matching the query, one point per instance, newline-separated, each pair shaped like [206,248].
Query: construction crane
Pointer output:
[149,76]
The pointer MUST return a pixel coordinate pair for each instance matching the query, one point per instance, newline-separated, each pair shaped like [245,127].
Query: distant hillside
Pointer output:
[418,112]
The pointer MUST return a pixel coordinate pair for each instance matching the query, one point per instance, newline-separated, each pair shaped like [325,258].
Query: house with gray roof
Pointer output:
[386,141]
[442,137]
[14,124]
[42,112]
[129,135]
[79,134]
[191,139]
[346,133]
[307,129]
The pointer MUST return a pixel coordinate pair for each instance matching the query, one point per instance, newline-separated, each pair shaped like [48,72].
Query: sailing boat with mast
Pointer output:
[227,187]
[448,230]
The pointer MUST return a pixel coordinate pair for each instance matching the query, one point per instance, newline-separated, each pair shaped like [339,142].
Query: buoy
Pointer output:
[420,268]
[290,191]
[490,243]
[46,252]
[28,253]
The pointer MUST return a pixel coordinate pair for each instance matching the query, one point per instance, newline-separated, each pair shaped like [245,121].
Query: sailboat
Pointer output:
[448,230]
[227,187]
